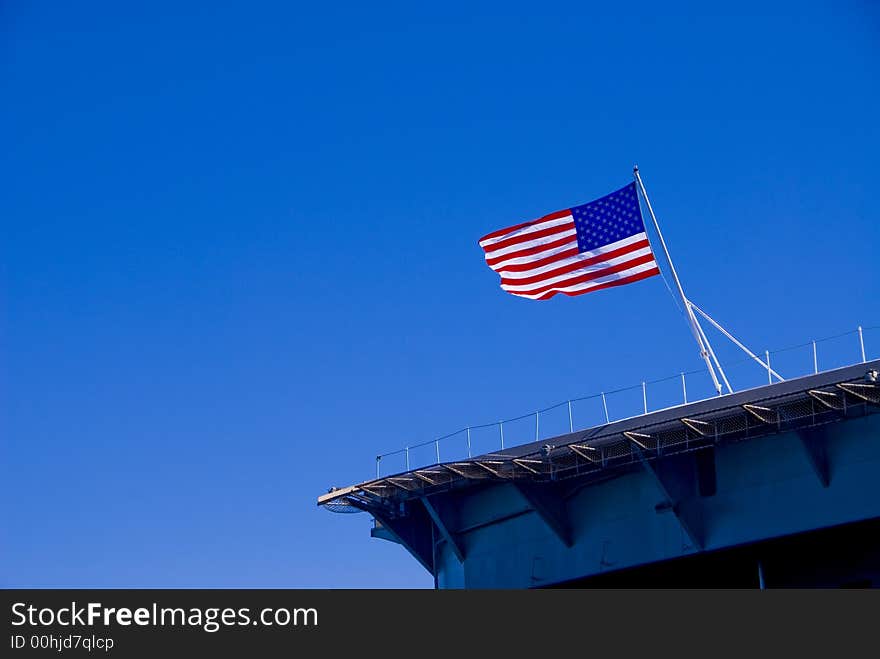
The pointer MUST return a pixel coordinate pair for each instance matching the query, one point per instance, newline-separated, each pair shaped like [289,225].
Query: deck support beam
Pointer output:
[675,478]
[815,443]
[412,531]
[547,501]
[442,520]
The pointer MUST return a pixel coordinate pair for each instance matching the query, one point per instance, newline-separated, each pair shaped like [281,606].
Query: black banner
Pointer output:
[136,623]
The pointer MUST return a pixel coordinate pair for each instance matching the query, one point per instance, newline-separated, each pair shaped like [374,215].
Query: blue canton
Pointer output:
[608,219]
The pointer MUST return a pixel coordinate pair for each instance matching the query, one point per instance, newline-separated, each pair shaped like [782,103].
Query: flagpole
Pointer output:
[692,320]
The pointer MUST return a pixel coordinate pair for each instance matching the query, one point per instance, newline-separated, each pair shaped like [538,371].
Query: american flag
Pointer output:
[574,251]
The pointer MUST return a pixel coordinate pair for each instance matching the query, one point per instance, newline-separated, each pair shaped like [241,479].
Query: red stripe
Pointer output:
[571,267]
[619,282]
[537,263]
[589,276]
[501,232]
[528,251]
[527,237]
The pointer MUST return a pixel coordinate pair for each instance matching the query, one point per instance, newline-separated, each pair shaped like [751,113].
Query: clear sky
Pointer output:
[239,249]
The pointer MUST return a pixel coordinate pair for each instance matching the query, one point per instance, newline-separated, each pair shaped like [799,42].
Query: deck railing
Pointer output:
[826,353]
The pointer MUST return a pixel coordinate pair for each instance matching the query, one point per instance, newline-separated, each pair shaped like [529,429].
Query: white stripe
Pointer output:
[531,243]
[486,242]
[499,267]
[574,259]
[595,267]
[593,283]
[516,260]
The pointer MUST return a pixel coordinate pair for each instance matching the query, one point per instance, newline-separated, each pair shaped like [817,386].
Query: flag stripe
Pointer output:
[542,252]
[545,257]
[544,243]
[577,269]
[490,238]
[595,286]
[563,265]
[580,276]
[531,253]
[534,233]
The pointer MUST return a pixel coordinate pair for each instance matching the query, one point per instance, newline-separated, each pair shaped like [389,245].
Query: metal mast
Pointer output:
[689,312]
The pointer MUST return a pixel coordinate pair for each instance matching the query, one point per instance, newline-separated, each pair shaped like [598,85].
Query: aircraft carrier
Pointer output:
[775,486]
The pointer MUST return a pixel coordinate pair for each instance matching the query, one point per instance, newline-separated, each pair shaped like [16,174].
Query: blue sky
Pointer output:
[239,249]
